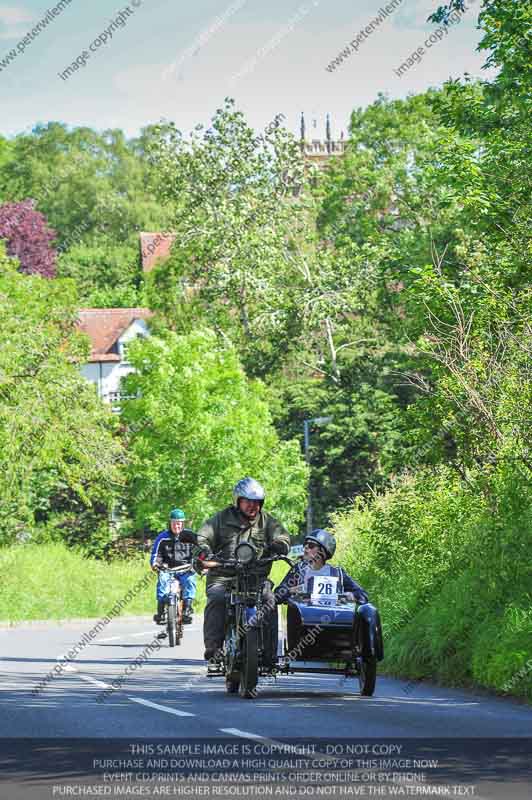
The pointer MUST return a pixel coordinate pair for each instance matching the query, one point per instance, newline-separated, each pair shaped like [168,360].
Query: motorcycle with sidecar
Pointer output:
[326,631]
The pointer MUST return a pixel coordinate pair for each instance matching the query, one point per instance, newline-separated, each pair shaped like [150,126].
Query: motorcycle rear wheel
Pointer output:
[249,670]
[172,626]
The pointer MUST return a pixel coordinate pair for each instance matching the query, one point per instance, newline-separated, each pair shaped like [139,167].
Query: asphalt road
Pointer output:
[405,741]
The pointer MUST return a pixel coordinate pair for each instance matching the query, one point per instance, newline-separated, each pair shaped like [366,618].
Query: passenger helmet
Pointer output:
[250,489]
[325,540]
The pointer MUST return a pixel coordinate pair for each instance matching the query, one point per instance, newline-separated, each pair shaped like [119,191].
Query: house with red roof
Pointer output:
[109,331]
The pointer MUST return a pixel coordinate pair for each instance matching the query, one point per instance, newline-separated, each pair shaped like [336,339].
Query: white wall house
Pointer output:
[110,330]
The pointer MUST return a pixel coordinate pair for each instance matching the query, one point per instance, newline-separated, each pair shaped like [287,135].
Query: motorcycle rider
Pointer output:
[169,551]
[318,547]
[242,521]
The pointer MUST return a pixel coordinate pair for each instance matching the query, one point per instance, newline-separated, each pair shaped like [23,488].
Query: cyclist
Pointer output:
[169,551]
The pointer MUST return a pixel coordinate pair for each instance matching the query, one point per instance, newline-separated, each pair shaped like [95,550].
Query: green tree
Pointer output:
[366,441]
[476,405]
[446,549]
[247,257]
[375,216]
[5,156]
[196,427]
[387,198]
[87,184]
[60,456]
[476,337]
[304,307]
[107,275]
[506,28]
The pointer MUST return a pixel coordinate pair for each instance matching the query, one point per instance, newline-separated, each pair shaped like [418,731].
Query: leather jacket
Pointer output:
[220,535]
[170,550]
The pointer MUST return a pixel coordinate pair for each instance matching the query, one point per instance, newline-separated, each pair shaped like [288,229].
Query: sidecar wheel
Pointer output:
[367,676]
[249,671]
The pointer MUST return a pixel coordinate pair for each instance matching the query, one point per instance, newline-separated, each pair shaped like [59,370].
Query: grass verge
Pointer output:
[51,581]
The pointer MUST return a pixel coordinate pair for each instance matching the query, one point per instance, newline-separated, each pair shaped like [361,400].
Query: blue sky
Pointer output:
[179,60]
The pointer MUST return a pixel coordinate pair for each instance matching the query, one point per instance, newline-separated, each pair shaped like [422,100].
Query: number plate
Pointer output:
[324,590]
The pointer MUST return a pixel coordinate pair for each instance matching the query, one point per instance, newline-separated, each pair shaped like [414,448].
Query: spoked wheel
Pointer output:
[172,625]
[249,671]
[367,676]
[179,625]
[232,684]
[232,674]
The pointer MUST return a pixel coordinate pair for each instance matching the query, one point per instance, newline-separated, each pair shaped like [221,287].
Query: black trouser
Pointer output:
[215,614]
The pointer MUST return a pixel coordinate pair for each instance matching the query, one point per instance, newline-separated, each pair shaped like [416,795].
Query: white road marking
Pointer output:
[245,734]
[65,666]
[168,710]
[123,636]
[111,639]
[283,746]
[437,702]
[139,700]
[131,635]
[101,684]
[266,704]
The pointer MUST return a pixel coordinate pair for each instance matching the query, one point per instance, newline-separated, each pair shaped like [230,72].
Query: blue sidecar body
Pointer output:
[343,638]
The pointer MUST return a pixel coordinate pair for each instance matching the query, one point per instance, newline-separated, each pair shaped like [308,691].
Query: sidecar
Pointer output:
[340,638]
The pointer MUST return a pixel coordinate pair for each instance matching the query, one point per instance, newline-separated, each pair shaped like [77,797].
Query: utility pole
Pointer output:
[318,421]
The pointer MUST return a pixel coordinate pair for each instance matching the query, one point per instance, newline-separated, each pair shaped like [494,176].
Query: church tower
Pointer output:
[319,151]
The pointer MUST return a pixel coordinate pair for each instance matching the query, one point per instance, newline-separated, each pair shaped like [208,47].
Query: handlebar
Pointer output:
[177,570]
[232,563]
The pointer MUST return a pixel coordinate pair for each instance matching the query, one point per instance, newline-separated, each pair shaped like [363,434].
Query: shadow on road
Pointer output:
[169,654]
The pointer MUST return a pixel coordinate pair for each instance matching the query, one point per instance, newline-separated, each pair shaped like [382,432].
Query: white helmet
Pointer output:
[249,489]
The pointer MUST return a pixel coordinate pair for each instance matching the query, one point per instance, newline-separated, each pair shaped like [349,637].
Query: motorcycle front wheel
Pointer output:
[172,625]
[232,674]
[249,671]
[367,676]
